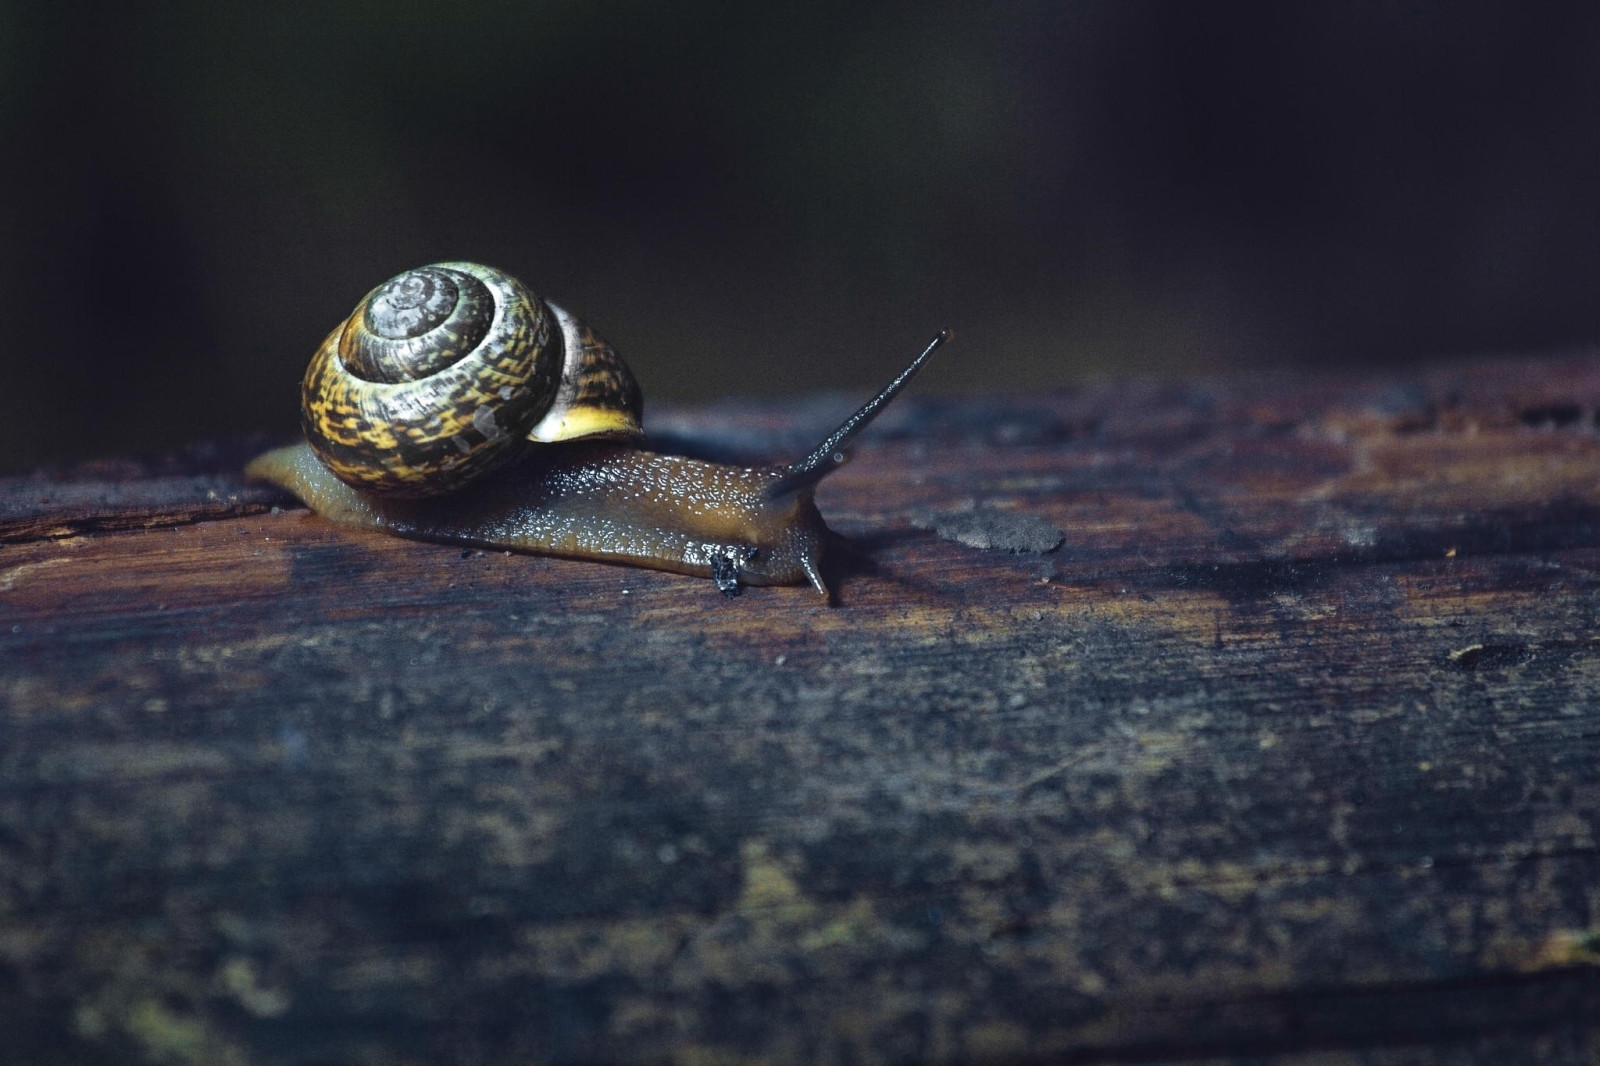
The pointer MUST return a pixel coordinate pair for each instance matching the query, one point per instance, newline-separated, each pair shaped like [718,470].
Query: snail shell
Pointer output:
[446,372]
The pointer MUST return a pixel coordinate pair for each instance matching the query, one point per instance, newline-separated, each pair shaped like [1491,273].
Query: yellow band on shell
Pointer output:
[578,422]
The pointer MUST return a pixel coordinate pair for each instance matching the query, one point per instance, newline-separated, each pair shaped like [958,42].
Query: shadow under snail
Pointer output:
[454,405]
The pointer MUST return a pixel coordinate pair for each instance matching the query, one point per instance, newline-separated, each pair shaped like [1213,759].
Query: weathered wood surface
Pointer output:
[1290,752]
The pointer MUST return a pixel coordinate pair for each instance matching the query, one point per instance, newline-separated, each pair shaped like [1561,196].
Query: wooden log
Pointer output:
[1291,750]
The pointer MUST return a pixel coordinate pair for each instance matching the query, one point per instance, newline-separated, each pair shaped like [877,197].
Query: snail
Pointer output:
[454,405]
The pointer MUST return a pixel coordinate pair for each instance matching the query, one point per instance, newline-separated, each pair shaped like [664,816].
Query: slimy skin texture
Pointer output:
[595,500]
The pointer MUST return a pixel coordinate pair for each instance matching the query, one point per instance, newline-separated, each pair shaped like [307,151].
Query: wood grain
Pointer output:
[1290,753]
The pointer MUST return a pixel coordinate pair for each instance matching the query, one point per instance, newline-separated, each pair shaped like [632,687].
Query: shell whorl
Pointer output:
[443,373]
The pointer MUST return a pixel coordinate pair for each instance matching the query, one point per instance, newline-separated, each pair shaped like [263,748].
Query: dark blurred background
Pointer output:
[765,198]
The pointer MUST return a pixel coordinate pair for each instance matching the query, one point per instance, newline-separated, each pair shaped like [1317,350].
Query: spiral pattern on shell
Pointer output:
[441,374]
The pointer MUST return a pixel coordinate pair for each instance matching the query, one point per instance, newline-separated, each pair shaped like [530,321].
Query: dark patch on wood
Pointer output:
[1289,751]
[1552,416]
[1489,656]
[1566,521]
[1246,582]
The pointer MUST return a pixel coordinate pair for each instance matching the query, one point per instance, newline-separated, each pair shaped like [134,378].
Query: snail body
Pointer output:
[463,456]
[594,501]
